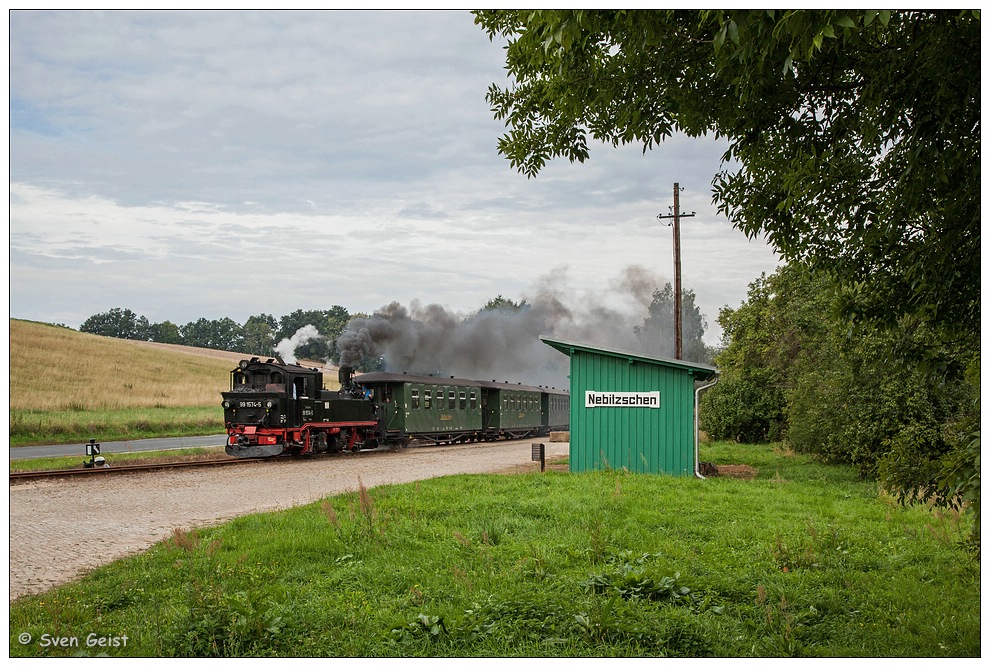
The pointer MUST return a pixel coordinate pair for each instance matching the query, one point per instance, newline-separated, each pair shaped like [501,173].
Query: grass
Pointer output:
[65,370]
[132,458]
[48,427]
[804,560]
[67,386]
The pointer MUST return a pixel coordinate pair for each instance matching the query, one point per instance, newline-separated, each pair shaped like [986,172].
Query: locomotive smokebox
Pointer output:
[346,376]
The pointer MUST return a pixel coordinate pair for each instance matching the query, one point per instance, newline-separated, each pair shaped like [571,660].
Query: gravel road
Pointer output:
[63,528]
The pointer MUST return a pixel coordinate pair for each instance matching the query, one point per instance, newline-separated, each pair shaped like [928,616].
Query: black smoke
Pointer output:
[504,344]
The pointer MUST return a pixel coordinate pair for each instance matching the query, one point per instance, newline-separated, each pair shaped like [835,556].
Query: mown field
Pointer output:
[67,386]
[803,560]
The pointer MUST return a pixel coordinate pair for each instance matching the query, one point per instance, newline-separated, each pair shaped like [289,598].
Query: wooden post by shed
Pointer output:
[632,411]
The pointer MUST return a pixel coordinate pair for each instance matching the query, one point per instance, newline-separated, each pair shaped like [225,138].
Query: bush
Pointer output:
[743,410]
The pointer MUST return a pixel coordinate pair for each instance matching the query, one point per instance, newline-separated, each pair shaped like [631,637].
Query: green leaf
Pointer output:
[733,31]
[720,38]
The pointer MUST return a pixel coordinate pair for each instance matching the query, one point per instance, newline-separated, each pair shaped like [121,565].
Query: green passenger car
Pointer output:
[513,410]
[556,409]
[455,410]
[440,410]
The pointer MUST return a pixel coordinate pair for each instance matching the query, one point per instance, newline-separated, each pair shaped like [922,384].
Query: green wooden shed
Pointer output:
[633,411]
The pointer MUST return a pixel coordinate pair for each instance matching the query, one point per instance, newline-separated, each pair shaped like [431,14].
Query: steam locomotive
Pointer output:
[278,409]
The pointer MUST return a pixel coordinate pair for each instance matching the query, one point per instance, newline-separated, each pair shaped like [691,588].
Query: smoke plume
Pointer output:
[286,348]
[504,344]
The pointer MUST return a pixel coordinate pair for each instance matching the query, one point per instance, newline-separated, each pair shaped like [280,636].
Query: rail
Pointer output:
[145,467]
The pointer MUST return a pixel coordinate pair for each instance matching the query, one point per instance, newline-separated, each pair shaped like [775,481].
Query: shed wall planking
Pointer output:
[634,438]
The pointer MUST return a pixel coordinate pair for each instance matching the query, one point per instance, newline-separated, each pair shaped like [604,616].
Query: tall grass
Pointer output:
[57,369]
[67,386]
[805,560]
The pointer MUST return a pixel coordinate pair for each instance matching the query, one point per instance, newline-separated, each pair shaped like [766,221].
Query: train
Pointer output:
[278,409]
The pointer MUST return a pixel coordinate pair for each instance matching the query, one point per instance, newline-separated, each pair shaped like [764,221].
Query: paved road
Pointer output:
[150,445]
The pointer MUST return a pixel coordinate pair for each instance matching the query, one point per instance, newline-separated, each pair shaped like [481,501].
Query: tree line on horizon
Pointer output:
[258,335]
[261,334]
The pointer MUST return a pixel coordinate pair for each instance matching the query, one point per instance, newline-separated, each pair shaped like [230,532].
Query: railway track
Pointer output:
[112,470]
[149,467]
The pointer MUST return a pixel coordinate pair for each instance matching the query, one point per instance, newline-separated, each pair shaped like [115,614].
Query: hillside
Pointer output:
[54,368]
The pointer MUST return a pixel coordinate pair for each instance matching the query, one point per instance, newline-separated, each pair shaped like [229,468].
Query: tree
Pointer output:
[115,323]
[165,332]
[848,403]
[784,318]
[222,334]
[791,371]
[501,303]
[657,330]
[857,133]
[259,335]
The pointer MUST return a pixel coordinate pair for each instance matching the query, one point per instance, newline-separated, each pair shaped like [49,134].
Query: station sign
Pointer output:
[622,399]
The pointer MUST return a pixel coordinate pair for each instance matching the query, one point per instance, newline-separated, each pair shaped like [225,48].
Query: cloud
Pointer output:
[222,106]
[268,161]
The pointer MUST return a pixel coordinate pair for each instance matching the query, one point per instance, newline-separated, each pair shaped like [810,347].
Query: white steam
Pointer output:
[287,347]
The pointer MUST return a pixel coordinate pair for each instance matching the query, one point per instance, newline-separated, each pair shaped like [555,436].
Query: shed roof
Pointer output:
[701,371]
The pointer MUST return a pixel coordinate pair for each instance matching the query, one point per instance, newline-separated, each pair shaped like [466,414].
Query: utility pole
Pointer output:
[676,216]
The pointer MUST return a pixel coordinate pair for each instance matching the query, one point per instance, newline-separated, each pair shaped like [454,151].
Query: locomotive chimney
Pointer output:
[346,376]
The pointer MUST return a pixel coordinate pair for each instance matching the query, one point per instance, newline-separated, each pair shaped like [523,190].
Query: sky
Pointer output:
[227,164]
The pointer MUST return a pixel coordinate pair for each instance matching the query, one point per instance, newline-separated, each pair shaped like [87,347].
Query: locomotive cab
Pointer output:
[273,407]
[267,399]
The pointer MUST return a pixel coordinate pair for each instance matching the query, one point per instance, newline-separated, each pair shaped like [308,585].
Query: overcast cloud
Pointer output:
[200,164]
